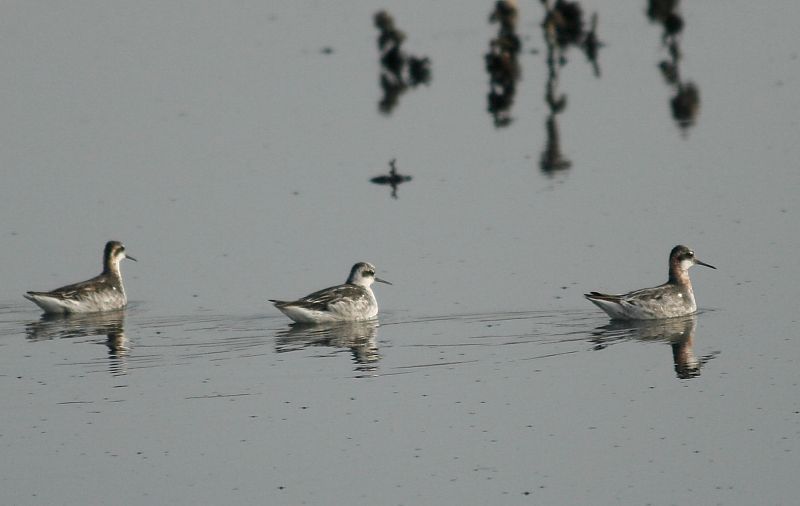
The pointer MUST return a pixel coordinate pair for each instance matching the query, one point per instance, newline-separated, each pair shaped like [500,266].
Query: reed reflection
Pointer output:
[501,62]
[393,179]
[399,70]
[109,324]
[360,338]
[685,103]
[563,27]
[678,332]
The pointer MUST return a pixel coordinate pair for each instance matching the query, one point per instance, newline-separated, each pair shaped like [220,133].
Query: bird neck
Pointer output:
[679,276]
[111,267]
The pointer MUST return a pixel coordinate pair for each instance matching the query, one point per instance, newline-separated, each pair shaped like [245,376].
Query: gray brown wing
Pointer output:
[322,300]
[78,290]
[603,296]
[641,297]
[645,297]
[644,303]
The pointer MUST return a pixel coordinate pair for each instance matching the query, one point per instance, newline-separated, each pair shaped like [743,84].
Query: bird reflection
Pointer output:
[563,27]
[393,179]
[109,324]
[678,332]
[360,338]
[118,350]
[501,62]
[685,103]
[399,71]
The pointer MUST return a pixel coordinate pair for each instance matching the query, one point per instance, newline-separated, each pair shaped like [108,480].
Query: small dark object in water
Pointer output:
[393,179]
[659,10]
[669,69]
[419,70]
[686,104]
[566,20]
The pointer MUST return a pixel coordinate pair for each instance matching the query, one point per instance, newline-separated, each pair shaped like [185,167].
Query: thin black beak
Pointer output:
[130,257]
[379,280]
[698,262]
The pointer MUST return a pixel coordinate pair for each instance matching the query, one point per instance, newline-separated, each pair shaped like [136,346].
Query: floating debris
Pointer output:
[398,70]
[393,179]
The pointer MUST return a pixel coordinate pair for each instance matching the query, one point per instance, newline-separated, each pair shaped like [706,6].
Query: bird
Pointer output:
[673,298]
[103,292]
[351,301]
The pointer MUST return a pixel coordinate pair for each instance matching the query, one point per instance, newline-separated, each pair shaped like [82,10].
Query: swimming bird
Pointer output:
[352,301]
[103,292]
[673,298]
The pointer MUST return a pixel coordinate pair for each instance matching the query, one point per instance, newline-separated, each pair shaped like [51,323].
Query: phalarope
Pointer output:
[673,298]
[352,301]
[103,292]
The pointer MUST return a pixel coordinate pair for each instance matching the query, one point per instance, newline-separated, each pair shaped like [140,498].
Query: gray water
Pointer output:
[231,148]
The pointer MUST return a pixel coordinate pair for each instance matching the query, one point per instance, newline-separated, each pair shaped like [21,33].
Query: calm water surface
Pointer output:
[231,149]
